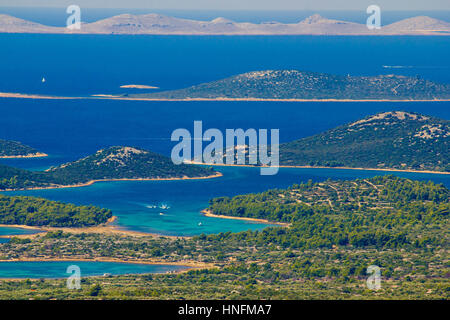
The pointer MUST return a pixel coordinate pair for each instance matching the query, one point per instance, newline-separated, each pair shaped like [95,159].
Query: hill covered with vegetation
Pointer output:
[399,140]
[382,212]
[107,164]
[11,149]
[32,211]
[293,84]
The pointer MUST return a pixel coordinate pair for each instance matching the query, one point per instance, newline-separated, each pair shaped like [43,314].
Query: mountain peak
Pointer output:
[418,24]
[315,18]
[392,115]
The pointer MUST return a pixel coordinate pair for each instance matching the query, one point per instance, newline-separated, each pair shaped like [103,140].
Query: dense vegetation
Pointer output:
[15,178]
[15,149]
[398,140]
[293,84]
[32,211]
[111,163]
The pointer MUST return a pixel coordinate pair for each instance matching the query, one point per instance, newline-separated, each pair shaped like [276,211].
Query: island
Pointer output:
[15,149]
[138,86]
[294,85]
[157,24]
[110,164]
[388,140]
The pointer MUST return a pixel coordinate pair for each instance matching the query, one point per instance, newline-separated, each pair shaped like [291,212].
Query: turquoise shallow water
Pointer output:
[57,269]
[7,231]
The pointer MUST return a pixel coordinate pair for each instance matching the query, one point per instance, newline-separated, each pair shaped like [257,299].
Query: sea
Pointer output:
[84,65]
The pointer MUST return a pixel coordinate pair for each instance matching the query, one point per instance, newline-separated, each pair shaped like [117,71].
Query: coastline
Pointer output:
[31,155]
[321,167]
[190,265]
[89,183]
[105,228]
[114,97]
[208,213]
[187,263]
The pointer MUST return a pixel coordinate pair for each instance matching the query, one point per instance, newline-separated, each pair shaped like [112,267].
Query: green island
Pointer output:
[388,140]
[31,211]
[337,229]
[114,163]
[15,149]
[303,85]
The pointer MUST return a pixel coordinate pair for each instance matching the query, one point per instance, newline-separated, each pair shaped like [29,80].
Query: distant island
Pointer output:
[301,85]
[15,149]
[137,86]
[31,211]
[114,163]
[387,140]
[287,86]
[156,24]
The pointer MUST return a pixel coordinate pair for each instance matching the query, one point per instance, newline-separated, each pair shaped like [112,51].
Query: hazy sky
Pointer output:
[239,4]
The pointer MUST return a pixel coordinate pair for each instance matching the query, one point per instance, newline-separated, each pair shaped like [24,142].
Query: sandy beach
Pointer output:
[208,213]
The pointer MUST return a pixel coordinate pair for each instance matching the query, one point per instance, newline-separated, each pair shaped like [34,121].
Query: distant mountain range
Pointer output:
[396,140]
[165,25]
[293,84]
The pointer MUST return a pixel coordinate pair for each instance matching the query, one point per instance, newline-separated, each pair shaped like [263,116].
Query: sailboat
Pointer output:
[43,80]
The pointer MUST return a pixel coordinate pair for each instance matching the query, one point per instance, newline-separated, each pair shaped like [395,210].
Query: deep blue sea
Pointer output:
[85,65]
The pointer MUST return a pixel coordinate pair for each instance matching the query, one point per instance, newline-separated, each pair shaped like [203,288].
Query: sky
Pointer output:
[405,5]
